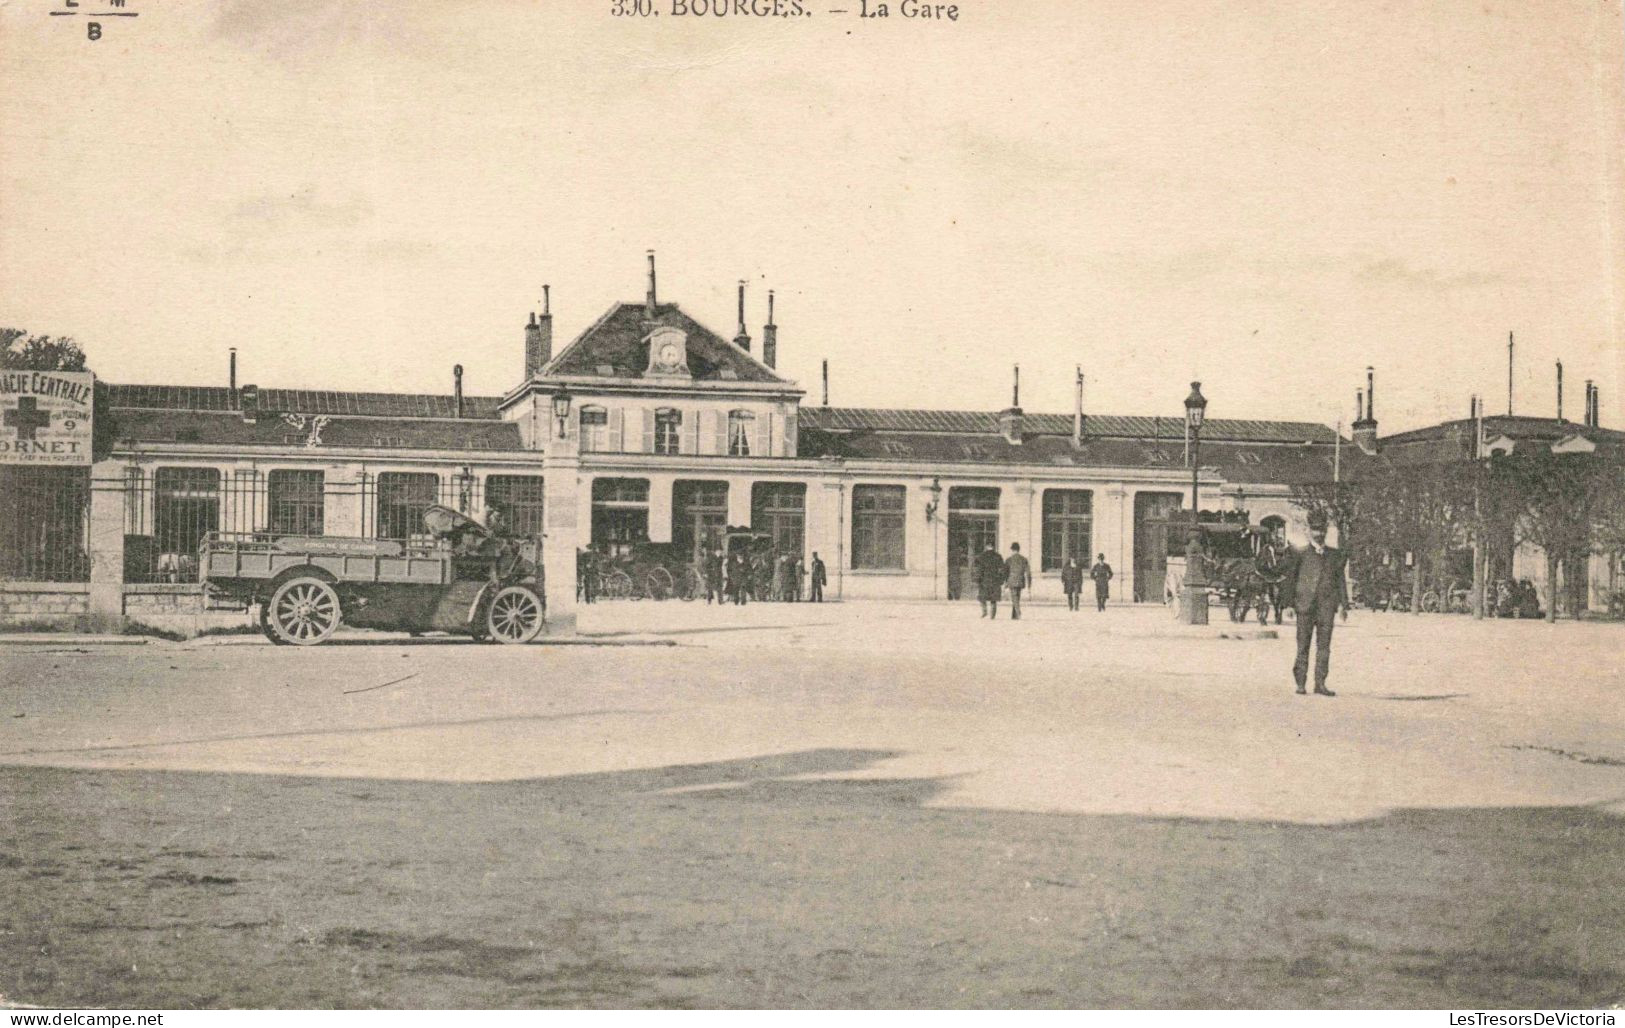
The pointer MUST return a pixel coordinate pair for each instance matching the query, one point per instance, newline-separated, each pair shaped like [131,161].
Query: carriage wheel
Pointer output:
[515,615]
[618,585]
[659,584]
[1430,602]
[692,586]
[305,611]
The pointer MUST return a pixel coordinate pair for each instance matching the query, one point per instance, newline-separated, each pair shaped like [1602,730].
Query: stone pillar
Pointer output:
[739,510]
[105,540]
[1117,541]
[660,500]
[561,475]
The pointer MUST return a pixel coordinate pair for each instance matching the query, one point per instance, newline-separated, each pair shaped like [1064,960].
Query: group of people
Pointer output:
[740,577]
[995,574]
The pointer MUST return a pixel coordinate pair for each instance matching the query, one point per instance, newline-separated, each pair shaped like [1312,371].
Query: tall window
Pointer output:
[699,515]
[295,501]
[620,513]
[878,526]
[780,510]
[518,498]
[594,428]
[741,423]
[668,431]
[186,507]
[402,498]
[1067,527]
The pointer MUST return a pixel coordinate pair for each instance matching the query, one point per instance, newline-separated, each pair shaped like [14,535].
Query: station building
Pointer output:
[649,426]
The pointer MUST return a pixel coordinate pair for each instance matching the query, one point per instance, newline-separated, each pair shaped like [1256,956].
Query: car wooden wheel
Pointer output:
[515,615]
[305,611]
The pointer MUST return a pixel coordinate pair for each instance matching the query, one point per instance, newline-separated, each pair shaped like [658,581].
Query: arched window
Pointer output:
[594,428]
[668,431]
[741,423]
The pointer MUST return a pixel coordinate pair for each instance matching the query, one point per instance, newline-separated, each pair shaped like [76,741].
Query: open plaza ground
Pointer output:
[859,804]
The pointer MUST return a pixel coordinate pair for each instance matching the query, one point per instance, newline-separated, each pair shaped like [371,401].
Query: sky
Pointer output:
[1267,197]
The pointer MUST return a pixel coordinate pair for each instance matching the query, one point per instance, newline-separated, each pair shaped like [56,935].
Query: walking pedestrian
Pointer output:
[1315,588]
[1072,581]
[1102,574]
[819,577]
[798,576]
[989,580]
[1018,575]
[713,576]
[781,578]
[738,573]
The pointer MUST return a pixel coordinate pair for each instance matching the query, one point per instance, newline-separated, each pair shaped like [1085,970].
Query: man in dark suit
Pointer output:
[1315,588]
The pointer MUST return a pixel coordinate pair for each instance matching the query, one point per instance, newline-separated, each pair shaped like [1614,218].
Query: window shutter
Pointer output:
[764,436]
[691,431]
[719,432]
[790,434]
[616,431]
[648,418]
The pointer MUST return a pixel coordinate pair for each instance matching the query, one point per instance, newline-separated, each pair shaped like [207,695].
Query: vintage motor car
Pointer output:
[463,578]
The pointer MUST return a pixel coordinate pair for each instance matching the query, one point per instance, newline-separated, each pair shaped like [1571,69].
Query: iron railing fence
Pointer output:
[44,524]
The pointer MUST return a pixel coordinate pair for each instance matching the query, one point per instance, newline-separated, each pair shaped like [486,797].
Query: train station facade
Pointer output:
[649,426]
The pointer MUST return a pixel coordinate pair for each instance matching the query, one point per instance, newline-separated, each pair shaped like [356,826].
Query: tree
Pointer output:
[23,352]
[1563,504]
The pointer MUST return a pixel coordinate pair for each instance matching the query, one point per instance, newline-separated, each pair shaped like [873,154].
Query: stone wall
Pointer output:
[144,601]
[36,601]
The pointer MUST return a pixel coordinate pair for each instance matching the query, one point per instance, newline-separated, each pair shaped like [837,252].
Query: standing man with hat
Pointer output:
[1315,588]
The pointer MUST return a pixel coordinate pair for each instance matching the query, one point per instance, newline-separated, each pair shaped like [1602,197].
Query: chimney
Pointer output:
[1365,429]
[1509,374]
[1359,404]
[248,401]
[826,382]
[231,379]
[1560,390]
[457,388]
[1596,407]
[1077,410]
[539,338]
[1011,423]
[770,336]
[649,305]
[742,340]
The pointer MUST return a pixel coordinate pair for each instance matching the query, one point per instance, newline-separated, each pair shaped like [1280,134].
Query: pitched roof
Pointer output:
[616,341]
[1263,463]
[964,422]
[222,428]
[1453,440]
[304,401]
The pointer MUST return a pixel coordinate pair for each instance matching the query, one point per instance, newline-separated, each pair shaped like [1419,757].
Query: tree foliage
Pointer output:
[23,352]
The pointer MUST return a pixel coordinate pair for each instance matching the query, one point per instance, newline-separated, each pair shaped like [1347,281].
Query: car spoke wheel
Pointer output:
[515,615]
[305,611]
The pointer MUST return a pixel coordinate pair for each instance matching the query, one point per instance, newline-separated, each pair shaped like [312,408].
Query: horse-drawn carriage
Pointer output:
[1243,563]
[468,580]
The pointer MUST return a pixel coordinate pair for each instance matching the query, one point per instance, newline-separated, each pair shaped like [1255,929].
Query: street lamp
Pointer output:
[561,410]
[1195,406]
[1195,573]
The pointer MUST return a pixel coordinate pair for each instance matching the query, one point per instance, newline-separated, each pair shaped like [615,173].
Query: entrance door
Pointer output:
[699,516]
[1154,516]
[973,526]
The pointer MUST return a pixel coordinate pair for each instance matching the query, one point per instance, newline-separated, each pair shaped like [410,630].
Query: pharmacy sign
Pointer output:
[45,417]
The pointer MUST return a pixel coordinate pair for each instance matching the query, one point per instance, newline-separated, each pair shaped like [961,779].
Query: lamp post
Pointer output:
[561,411]
[931,507]
[1195,572]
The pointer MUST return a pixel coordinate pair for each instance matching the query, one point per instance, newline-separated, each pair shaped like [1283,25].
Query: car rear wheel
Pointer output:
[304,611]
[515,615]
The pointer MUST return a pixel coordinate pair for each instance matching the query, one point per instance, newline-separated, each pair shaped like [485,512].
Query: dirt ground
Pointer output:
[850,805]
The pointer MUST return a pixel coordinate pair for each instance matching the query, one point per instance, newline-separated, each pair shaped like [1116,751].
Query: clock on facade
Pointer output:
[668,351]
